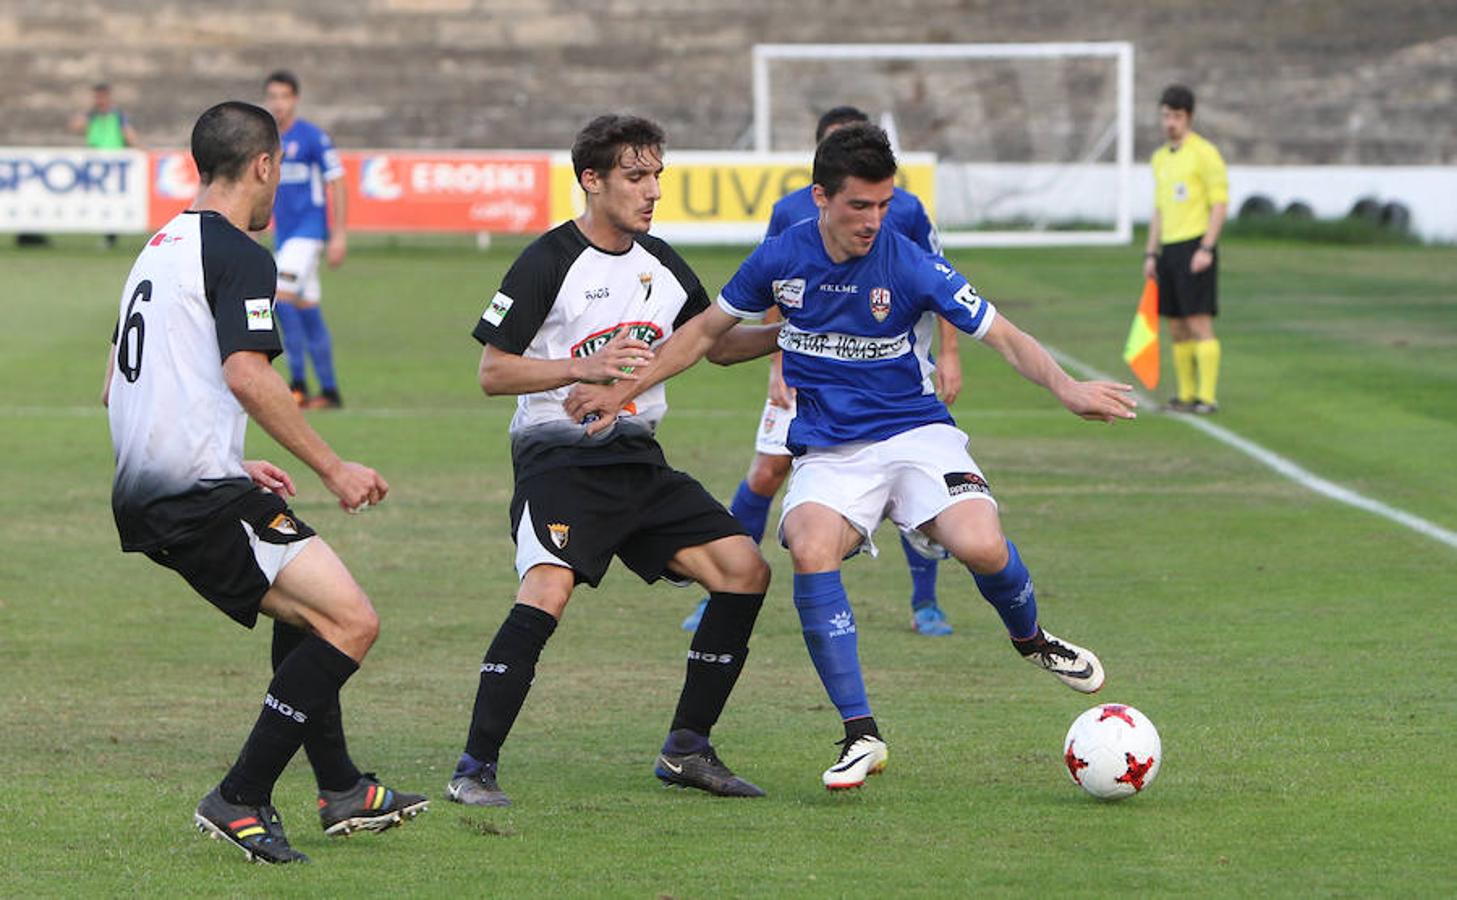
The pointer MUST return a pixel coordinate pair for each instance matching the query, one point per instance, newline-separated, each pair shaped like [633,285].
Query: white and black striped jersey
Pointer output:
[200,290]
[566,297]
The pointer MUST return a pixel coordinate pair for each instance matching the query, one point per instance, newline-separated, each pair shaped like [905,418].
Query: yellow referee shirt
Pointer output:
[1187,182]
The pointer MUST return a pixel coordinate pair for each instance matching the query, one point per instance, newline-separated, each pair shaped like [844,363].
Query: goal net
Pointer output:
[1033,142]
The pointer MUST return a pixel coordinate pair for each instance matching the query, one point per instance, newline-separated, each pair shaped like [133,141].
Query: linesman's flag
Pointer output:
[1142,350]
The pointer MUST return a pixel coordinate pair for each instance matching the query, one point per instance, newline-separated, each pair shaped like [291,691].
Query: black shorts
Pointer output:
[581,516]
[1181,292]
[231,565]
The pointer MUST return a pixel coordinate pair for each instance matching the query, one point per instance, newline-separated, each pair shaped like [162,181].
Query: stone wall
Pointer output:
[1279,81]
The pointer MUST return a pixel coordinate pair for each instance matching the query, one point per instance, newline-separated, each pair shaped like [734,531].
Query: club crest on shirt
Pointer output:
[789,292]
[880,303]
[646,280]
[558,532]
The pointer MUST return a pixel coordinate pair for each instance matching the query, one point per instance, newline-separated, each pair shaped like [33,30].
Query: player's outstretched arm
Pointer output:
[744,343]
[682,349]
[1103,401]
[263,394]
[510,373]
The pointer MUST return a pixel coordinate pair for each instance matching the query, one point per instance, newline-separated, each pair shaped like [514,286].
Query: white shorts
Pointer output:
[909,478]
[774,429]
[298,268]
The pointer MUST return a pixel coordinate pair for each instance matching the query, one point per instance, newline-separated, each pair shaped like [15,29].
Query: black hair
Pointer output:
[600,143]
[101,86]
[282,76]
[1176,96]
[840,115]
[861,150]
[229,136]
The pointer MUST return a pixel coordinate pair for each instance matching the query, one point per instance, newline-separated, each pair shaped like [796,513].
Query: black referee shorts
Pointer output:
[233,560]
[581,516]
[1181,292]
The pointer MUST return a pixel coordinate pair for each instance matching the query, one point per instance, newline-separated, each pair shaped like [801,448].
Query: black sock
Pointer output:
[306,683]
[715,659]
[506,673]
[324,737]
[858,728]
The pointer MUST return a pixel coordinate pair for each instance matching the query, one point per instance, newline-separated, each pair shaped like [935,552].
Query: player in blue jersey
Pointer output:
[308,221]
[772,458]
[871,439]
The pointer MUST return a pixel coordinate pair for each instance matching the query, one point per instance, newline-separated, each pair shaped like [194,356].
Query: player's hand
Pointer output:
[1150,268]
[1201,260]
[336,250]
[948,377]
[356,486]
[1100,401]
[269,477]
[780,394]
[616,360]
[594,405]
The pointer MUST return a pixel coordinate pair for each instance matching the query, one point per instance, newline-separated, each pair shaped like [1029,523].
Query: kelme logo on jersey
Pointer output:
[260,313]
[647,332]
[966,483]
[880,303]
[559,534]
[496,311]
[789,292]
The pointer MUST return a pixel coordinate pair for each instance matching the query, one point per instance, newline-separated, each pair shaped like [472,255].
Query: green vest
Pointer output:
[103,131]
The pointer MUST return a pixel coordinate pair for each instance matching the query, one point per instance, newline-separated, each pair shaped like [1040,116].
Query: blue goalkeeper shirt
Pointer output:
[852,348]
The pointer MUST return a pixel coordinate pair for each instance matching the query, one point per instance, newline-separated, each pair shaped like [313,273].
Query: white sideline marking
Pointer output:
[1277,462]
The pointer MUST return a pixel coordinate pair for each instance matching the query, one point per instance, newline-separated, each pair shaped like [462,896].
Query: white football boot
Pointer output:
[863,757]
[1074,666]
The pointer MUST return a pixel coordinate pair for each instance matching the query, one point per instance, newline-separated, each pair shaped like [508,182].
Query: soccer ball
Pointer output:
[1112,751]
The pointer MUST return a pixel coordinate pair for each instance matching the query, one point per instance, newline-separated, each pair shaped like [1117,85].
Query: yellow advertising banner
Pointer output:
[715,196]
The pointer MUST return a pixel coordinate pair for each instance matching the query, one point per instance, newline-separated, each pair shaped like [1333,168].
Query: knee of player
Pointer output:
[756,574]
[767,474]
[984,554]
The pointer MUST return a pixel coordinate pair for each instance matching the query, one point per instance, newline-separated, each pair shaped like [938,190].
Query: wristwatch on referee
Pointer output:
[1207,248]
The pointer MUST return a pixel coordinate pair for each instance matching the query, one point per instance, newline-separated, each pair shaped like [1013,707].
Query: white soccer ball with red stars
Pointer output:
[1112,751]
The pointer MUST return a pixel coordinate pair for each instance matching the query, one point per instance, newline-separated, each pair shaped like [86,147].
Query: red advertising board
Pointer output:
[405,190]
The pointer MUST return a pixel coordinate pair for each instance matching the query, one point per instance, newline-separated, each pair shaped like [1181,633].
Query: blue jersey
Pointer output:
[309,160]
[851,347]
[906,215]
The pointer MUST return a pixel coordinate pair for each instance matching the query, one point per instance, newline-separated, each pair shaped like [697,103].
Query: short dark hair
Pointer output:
[282,76]
[229,136]
[100,86]
[600,143]
[861,150]
[1176,96]
[840,115]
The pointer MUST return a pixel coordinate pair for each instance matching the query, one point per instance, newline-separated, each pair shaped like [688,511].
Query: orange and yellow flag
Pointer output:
[1142,350]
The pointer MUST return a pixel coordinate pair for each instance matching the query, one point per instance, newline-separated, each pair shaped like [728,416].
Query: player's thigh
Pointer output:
[971,531]
[768,471]
[574,518]
[936,480]
[298,263]
[850,481]
[731,563]
[820,537]
[676,514]
[315,590]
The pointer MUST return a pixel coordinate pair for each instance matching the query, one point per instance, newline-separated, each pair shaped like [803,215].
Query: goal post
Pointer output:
[1034,141]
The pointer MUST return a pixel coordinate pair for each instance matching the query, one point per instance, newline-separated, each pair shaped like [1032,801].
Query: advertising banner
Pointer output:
[53,190]
[399,191]
[717,197]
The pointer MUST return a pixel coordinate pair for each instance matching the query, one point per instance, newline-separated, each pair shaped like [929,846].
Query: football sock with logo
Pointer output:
[751,509]
[828,625]
[506,673]
[321,345]
[1207,355]
[306,682]
[1185,370]
[1010,594]
[715,659]
[324,738]
[295,342]
[923,576]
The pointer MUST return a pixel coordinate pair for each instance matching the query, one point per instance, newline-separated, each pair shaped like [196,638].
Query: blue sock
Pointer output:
[829,634]
[468,766]
[1010,593]
[321,346]
[751,509]
[295,344]
[923,576]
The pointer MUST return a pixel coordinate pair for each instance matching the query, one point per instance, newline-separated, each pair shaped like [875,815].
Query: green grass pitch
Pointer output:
[1296,654]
